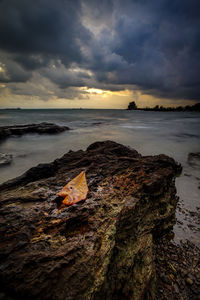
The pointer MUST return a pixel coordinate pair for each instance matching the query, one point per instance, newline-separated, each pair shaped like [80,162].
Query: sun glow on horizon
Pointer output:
[95,98]
[95,91]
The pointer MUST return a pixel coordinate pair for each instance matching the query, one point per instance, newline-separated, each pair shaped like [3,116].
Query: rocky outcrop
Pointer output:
[100,248]
[132,106]
[41,128]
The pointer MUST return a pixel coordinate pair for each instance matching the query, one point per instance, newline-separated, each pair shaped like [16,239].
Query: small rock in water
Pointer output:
[41,128]
[194,158]
[5,159]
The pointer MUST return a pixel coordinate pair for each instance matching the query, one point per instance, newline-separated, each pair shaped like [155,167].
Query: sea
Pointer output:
[175,134]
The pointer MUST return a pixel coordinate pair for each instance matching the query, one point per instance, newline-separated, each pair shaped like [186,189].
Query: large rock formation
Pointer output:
[41,128]
[100,248]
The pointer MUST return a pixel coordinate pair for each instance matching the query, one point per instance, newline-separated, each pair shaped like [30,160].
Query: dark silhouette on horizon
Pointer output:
[196,107]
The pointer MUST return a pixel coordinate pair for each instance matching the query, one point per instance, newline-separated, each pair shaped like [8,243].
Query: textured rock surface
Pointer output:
[6,131]
[177,270]
[101,248]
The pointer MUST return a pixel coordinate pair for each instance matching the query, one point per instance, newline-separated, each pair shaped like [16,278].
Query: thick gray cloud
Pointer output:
[156,46]
[153,45]
[42,28]
[12,71]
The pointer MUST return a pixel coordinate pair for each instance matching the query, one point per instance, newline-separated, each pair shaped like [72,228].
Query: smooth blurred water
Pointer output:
[173,133]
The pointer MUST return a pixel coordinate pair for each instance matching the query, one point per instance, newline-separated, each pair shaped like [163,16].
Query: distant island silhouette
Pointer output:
[12,108]
[196,107]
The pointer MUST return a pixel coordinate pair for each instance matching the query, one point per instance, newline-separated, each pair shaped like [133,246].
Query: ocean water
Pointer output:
[173,133]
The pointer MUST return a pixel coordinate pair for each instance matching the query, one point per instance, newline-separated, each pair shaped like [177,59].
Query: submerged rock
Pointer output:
[41,128]
[100,248]
[5,159]
[194,159]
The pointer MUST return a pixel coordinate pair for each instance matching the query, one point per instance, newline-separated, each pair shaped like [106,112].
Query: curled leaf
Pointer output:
[75,190]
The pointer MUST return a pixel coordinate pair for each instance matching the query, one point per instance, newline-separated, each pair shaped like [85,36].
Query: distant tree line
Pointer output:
[196,107]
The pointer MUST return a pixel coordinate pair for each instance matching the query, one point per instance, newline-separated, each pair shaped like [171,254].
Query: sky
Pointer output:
[99,54]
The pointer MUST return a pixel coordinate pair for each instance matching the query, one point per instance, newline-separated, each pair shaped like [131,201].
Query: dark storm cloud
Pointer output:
[152,45]
[32,62]
[36,30]
[158,43]
[13,72]
[63,77]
